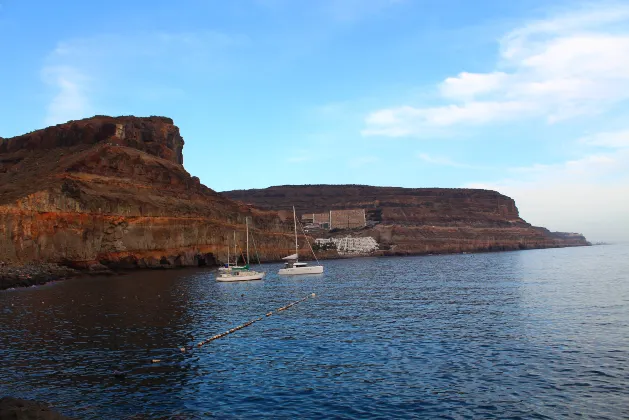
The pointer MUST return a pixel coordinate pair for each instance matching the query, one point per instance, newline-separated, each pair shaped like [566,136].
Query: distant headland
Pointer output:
[108,193]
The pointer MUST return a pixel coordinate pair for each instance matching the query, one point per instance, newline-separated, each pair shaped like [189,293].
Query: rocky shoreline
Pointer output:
[18,409]
[41,273]
[33,274]
[107,193]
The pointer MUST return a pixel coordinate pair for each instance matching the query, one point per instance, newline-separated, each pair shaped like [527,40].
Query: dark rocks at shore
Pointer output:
[18,409]
[32,274]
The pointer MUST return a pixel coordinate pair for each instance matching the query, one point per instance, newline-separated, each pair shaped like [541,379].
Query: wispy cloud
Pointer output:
[610,139]
[70,100]
[81,72]
[589,194]
[555,69]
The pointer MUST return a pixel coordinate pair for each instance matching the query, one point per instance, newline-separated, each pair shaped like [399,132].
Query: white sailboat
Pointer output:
[229,266]
[292,265]
[241,273]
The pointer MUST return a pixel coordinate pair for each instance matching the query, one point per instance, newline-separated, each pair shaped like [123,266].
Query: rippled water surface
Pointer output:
[530,334]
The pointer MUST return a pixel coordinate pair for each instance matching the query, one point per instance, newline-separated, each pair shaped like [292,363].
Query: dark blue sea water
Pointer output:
[529,334]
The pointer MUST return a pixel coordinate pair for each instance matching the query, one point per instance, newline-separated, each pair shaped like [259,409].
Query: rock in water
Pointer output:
[18,409]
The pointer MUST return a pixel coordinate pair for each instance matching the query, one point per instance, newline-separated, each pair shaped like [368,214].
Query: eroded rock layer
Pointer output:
[113,191]
[418,220]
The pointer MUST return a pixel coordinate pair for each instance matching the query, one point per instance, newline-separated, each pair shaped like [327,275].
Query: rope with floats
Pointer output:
[246,324]
[123,374]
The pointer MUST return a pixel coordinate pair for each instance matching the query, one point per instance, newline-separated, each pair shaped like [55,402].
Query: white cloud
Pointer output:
[588,195]
[71,98]
[554,69]
[80,72]
[611,139]
[467,85]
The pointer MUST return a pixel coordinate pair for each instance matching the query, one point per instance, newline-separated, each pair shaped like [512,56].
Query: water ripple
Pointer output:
[521,335]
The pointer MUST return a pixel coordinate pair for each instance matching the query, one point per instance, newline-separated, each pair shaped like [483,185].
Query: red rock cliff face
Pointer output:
[419,220]
[113,190]
[155,135]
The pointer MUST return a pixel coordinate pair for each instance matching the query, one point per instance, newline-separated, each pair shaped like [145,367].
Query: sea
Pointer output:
[535,334]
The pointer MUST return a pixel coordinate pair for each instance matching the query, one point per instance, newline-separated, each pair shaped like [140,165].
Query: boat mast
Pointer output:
[295,219]
[247,224]
[235,251]
[228,252]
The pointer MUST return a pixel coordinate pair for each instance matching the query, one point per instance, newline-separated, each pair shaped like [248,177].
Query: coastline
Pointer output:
[33,274]
[37,274]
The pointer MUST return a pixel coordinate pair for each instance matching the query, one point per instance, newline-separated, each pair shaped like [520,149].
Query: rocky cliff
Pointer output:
[418,220]
[113,191]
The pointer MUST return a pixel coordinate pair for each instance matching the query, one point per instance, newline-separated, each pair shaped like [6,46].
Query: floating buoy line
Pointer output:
[246,324]
[239,327]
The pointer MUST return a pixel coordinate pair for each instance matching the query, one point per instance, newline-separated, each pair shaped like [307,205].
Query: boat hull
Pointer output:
[240,276]
[291,271]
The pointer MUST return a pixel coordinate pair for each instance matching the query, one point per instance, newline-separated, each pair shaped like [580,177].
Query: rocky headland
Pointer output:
[111,193]
[412,221]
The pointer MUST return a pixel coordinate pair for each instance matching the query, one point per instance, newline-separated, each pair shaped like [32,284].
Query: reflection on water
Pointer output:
[530,334]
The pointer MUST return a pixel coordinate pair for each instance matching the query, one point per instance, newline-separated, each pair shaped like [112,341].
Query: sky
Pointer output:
[529,97]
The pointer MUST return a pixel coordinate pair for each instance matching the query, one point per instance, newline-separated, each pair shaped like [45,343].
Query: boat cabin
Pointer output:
[294,264]
[291,262]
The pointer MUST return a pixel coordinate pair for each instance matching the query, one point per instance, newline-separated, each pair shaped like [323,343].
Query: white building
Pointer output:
[350,245]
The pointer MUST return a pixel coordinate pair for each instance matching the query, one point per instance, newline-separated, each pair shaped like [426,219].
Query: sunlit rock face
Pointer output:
[114,191]
[418,220]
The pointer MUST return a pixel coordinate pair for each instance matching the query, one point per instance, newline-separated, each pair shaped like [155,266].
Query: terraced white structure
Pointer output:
[350,245]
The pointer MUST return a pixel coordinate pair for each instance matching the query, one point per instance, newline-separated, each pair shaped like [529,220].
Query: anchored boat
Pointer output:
[231,267]
[241,273]
[292,266]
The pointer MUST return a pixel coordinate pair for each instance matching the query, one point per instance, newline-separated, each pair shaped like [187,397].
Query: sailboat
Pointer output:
[293,266]
[234,266]
[241,273]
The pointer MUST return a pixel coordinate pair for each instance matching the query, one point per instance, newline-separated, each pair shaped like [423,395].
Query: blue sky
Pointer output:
[530,97]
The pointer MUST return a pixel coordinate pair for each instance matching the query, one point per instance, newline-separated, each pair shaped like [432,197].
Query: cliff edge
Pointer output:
[415,220]
[113,192]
